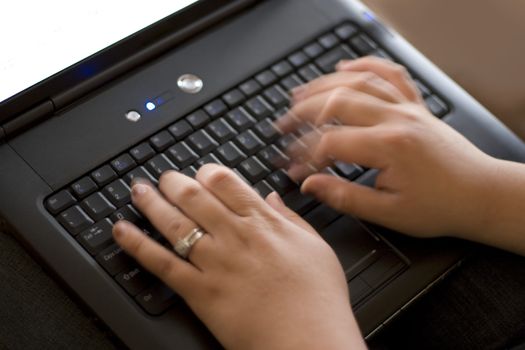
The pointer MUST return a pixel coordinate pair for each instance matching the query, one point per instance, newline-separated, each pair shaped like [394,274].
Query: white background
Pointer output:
[40,38]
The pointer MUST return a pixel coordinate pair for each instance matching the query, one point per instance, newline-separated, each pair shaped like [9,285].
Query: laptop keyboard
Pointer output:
[235,130]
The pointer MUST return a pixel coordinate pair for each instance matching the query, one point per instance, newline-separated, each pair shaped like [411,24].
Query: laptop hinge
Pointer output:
[27,119]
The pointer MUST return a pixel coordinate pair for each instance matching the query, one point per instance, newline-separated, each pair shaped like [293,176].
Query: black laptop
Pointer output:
[174,85]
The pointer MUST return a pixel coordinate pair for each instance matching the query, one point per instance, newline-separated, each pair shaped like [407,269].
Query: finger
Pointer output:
[170,221]
[351,145]
[365,82]
[175,272]
[233,192]
[196,202]
[349,107]
[388,70]
[275,201]
[349,197]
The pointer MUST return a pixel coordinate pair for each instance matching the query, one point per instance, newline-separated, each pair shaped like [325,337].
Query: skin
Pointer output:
[262,277]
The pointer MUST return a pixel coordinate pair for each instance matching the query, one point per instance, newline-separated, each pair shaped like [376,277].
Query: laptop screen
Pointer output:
[41,38]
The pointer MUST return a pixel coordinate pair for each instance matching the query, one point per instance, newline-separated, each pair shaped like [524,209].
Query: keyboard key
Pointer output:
[128,213]
[298,59]
[97,206]
[182,155]
[97,237]
[209,158]
[345,31]
[349,171]
[156,299]
[198,119]
[230,154]
[266,130]
[363,44]
[266,78]
[309,73]
[273,157]
[282,68]
[189,171]
[248,142]
[159,164]
[233,98]
[201,142]
[425,91]
[328,61]
[285,141]
[313,50]
[139,172]
[142,152]
[134,280]
[321,216]
[162,140]
[299,202]
[75,220]
[118,193]
[436,106]
[104,175]
[276,96]
[250,87]
[381,54]
[240,119]
[280,181]
[259,108]
[221,130]
[113,259]
[329,41]
[215,108]
[262,188]
[60,201]
[253,169]
[83,187]
[291,82]
[123,164]
[180,130]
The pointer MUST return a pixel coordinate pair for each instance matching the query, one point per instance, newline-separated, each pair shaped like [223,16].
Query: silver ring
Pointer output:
[184,245]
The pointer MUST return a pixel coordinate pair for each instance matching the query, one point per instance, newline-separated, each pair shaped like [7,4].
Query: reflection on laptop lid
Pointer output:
[45,45]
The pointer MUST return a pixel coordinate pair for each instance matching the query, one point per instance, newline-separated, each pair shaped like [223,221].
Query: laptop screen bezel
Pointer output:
[106,58]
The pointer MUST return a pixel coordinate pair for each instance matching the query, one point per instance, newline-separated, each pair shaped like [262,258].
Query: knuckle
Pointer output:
[189,191]
[166,265]
[214,176]
[137,247]
[366,78]
[400,136]
[400,71]
[173,225]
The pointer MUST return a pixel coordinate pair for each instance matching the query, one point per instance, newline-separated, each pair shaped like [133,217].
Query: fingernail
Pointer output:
[119,230]
[298,92]
[139,189]
[277,197]
[342,64]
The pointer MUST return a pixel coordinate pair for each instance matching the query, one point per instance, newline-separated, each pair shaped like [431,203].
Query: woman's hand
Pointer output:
[260,277]
[431,181]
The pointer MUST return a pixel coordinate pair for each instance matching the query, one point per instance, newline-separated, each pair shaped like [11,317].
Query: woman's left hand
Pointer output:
[260,277]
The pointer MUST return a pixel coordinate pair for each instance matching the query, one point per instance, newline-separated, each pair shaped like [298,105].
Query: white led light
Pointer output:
[150,106]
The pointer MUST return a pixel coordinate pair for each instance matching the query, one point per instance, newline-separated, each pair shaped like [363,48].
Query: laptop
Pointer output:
[108,94]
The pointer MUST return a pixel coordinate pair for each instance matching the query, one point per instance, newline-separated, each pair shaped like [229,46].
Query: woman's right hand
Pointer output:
[431,180]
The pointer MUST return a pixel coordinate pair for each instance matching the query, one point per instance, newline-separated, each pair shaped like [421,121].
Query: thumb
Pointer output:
[275,201]
[348,197]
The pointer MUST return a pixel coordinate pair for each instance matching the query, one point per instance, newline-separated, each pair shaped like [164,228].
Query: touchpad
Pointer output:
[367,260]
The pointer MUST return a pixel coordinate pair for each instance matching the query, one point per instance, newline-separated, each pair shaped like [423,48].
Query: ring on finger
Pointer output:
[184,245]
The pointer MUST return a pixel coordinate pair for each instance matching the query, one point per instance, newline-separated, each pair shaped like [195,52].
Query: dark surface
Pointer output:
[479,306]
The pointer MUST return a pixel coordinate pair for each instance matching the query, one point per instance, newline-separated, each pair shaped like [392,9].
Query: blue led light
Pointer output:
[150,106]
